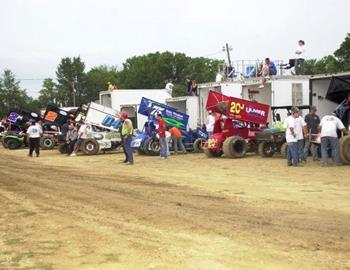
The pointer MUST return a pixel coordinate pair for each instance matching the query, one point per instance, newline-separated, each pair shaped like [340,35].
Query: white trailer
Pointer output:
[128,100]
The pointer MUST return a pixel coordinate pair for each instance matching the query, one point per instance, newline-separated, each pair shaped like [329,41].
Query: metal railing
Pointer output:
[246,69]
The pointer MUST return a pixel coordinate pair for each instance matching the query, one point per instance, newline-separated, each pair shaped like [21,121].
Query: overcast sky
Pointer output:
[36,34]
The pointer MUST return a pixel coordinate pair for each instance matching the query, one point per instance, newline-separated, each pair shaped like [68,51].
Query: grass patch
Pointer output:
[45,267]
[11,242]
[28,214]
[17,258]
[110,257]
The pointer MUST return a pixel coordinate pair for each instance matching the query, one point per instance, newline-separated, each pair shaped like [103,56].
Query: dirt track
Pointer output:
[188,212]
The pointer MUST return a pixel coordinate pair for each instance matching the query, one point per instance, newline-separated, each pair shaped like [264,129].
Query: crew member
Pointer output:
[162,137]
[127,131]
[312,121]
[291,138]
[82,136]
[34,133]
[329,126]
[176,136]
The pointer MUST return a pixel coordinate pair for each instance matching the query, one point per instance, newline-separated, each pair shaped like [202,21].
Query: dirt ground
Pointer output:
[187,212]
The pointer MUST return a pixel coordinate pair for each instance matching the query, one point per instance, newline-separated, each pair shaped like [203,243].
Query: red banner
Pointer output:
[238,109]
[248,111]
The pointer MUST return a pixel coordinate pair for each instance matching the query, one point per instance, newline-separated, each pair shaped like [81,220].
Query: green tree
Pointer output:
[11,95]
[343,54]
[70,76]
[152,70]
[96,80]
[338,62]
[48,93]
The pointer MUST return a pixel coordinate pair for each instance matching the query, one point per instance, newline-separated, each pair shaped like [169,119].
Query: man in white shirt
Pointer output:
[300,58]
[291,138]
[82,136]
[300,130]
[34,132]
[329,126]
[210,123]
[169,87]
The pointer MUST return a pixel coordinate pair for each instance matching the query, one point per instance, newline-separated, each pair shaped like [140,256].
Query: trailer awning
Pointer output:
[338,90]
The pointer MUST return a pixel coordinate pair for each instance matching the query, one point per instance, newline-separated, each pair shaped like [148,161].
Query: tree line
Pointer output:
[142,72]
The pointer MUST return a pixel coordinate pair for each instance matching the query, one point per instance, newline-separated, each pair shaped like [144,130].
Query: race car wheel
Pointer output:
[90,147]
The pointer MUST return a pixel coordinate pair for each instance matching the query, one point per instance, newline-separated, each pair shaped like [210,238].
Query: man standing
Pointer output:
[329,126]
[300,130]
[162,137]
[127,131]
[176,136]
[82,136]
[210,123]
[71,138]
[291,138]
[312,121]
[300,58]
[34,133]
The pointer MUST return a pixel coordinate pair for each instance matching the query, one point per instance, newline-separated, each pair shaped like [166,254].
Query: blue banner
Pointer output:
[171,116]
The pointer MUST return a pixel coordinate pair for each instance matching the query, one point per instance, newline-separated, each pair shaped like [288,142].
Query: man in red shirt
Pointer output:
[162,138]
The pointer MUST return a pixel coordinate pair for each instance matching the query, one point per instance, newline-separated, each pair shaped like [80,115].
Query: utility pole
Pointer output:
[227,49]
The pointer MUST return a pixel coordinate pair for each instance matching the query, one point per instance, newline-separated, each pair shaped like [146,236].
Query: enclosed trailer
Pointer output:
[319,87]
[128,100]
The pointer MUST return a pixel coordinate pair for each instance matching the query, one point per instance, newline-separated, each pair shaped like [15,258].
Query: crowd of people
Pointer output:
[305,134]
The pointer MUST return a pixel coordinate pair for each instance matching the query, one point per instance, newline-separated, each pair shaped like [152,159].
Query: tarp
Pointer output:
[238,109]
[338,90]
[171,116]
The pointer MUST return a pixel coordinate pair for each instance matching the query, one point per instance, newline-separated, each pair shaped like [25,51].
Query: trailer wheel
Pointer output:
[211,153]
[198,145]
[344,149]
[284,150]
[90,147]
[63,148]
[12,143]
[47,143]
[234,147]
[266,149]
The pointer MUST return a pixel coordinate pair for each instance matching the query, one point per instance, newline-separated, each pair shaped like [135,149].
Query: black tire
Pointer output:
[344,149]
[211,153]
[12,143]
[234,147]
[198,145]
[284,150]
[151,147]
[47,142]
[4,144]
[90,147]
[63,148]
[266,149]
